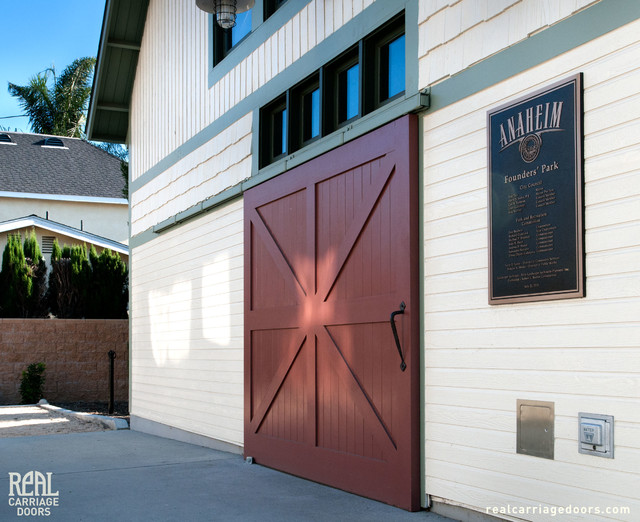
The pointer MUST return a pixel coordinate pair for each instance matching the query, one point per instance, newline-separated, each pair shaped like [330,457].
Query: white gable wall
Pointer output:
[582,354]
[169,109]
[187,327]
[456,34]
[187,344]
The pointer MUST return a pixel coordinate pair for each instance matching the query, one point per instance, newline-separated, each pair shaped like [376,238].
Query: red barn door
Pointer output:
[330,252]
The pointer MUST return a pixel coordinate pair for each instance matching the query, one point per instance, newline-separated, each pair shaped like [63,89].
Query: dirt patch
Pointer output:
[120,411]
[30,420]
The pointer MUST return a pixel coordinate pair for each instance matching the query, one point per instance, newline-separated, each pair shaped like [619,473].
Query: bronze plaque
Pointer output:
[535,196]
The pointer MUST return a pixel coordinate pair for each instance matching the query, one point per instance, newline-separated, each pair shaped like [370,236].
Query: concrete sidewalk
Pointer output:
[132,476]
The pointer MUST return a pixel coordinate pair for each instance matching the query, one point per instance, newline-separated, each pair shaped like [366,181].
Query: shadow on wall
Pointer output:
[177,315]
[187,358]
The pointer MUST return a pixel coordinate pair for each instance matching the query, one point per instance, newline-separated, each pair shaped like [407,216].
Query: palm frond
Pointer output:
[58,109]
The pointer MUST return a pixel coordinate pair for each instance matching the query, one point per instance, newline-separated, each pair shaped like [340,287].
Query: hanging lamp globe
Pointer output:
[226,13]
[225,10]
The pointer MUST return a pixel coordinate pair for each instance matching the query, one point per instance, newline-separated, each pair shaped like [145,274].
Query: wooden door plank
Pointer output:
[278,256]
[276,382]
[356,227]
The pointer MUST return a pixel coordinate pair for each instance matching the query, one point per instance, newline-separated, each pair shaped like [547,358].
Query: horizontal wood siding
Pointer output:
[187,326]
[455,34]
[171,99]
[220,163]
[583,354]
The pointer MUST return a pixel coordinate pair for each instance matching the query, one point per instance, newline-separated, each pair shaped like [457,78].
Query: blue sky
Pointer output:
[36,34]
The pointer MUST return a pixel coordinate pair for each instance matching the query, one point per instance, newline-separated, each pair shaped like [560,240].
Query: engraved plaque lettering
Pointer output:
[535,196]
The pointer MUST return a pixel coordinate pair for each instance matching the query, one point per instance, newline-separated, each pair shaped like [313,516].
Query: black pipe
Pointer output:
[112,357]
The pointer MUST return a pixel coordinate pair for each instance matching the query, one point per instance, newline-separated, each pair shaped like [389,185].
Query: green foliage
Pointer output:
[37,266]
[32,383]
[124,169]
[31,247]
[109,289]
[56,252]
[81,283]
[58,108]
[15,279]
[69,282]
[23,278]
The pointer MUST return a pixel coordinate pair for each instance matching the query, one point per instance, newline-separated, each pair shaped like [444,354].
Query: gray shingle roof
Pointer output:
[79,169]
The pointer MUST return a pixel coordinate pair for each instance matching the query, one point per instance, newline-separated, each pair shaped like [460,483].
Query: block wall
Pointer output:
[75,352]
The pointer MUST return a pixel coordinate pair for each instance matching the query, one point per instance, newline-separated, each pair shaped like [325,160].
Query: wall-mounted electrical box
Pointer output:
[595,434]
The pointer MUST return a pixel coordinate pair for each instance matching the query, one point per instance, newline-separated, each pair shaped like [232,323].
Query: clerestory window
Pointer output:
[363,78]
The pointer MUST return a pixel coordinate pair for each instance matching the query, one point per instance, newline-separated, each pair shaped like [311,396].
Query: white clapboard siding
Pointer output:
[456,34]
[187,326]
[172,100]
[581,354]
[220,163]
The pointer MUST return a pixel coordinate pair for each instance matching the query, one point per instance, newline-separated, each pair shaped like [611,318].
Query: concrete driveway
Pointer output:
[131,476]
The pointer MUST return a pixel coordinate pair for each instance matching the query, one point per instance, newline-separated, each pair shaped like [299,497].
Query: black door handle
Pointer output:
[392,320]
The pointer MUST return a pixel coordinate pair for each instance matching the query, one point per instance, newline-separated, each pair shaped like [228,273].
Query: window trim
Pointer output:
[222,40]
[366,53]
[271,6]
[261,30]
[373,45]
[267,129]
[296,101]
[330,103]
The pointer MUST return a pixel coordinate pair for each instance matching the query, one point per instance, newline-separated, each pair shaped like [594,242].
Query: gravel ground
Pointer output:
[121,409]
[22,421]
[30,420]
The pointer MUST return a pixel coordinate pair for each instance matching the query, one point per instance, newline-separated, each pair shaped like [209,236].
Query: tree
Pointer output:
[37,267]
[69,281]
[109,288]
[59,108]
[23,278]
[16,282]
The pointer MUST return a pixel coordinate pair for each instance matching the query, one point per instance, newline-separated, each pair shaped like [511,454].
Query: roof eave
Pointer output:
[101,104]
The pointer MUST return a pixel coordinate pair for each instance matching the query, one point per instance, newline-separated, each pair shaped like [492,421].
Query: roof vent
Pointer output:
[5,138]
[53,142]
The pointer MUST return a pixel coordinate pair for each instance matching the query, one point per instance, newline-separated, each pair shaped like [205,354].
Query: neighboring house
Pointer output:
[300,188]
[47,231]
[67,181]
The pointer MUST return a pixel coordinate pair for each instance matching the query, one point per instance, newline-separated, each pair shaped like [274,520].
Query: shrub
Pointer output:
[69,281]
[32,383]
[15,279]
[37,266]
[23,278]
[109,288]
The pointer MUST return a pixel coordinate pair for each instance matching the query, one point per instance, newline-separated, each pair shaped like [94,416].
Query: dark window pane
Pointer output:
[242,27]
[396,67]
[348,93]
[271,6]
[279,130]
[315,113]
[353,82]
[311,115]
[284,132]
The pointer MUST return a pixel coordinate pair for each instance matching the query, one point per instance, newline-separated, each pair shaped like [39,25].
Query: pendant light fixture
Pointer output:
[225,10]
